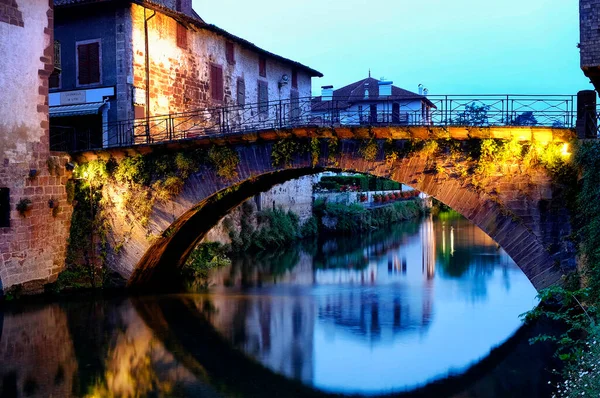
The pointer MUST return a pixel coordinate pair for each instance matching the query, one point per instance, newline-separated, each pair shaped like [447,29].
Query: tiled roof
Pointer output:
[197,22]
[355,92]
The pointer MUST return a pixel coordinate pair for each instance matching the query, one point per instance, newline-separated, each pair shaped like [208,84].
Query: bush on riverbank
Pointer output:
[341,218]
[204,257]
[269,229]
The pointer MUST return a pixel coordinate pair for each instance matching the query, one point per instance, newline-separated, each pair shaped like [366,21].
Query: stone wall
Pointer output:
[518,210]
[180,77]
[295,196]
[589,39]
[33,247]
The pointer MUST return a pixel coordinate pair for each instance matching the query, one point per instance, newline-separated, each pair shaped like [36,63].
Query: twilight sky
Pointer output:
[451,46]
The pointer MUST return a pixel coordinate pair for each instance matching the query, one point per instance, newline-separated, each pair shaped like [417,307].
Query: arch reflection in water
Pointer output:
[367,314]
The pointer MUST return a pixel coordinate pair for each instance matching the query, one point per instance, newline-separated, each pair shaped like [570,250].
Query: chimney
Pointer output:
[385,87]
[326,93]
[420,89]
[184,6]
[425,91]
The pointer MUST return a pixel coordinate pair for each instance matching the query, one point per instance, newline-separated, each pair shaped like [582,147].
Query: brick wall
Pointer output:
[10,13]
[33,248]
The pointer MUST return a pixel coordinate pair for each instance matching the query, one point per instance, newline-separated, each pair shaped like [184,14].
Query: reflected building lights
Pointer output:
[428,248]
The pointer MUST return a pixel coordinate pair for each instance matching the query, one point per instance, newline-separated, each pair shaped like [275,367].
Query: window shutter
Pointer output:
[216,82]
[89,63]
[83,63]
[181,36]
[94,56]
[263,97]
[229,52]
[294,78]
[241,92]
[54,80]
[262,67]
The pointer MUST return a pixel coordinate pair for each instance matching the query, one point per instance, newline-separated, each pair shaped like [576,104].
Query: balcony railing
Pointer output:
[456,110]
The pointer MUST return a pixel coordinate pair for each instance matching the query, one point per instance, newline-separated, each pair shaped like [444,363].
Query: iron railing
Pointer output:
[456,110]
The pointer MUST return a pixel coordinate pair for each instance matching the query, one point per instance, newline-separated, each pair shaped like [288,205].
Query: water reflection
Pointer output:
[388,299]
[371,314]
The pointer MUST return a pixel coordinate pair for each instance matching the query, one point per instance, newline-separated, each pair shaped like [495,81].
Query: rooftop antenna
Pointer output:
[369,72]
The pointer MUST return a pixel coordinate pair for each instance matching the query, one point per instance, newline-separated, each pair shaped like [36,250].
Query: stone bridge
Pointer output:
[519,207]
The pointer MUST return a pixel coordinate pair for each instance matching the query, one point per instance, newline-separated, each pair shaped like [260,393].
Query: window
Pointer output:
[88,63]
[229,53]
[294,78]
[4,207]
[241,92]
[216,82]
[263,98]
[262,67]
[54,79]
[181,36]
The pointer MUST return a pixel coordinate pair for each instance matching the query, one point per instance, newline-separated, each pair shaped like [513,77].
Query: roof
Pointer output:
[355,92]
[91,108]
[197,23]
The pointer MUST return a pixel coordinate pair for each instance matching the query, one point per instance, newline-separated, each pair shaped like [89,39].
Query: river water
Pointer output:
[416,307]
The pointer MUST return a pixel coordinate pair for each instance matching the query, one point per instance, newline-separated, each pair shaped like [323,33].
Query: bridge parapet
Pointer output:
[473,115]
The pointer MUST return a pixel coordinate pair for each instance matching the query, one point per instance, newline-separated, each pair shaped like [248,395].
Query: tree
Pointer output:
[525,119]
[473,115]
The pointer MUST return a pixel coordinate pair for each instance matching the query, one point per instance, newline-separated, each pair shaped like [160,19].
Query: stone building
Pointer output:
[139,59]
[589,41]
[33,239]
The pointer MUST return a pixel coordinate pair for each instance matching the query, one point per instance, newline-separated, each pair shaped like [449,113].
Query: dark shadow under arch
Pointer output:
[155,269]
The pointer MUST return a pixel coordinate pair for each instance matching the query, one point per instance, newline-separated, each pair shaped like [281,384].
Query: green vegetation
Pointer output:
[225,161]
[576,303]
[341,218]
[284,152]
[369,150]
[269,229]
[204,257]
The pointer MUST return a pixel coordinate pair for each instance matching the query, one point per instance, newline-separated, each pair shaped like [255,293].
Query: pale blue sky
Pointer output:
[451,46]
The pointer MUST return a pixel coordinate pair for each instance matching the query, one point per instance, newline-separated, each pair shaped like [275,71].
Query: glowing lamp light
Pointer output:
[564,151]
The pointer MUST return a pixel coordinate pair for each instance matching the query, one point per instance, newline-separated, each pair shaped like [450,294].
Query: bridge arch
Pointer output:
[518,217]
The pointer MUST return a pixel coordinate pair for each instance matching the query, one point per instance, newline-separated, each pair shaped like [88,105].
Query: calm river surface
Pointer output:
[383,313]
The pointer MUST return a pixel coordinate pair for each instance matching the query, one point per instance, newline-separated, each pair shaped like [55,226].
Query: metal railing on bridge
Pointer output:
[442,110]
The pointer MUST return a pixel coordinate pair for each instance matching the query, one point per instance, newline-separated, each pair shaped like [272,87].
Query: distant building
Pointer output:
[371,101]
[139,59]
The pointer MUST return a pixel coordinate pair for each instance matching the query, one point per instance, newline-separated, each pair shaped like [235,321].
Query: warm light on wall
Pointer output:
[565,150]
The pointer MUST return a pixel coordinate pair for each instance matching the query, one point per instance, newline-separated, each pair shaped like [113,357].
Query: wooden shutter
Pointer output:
[229,52]
[216,82]
[263,97]
[262,66]
[94,54]
[54,79]
[294,78]
[241,92]
[181,36]
[83,64]
[88,63]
